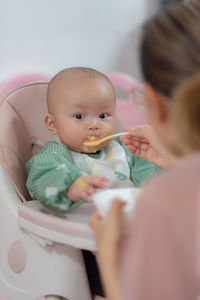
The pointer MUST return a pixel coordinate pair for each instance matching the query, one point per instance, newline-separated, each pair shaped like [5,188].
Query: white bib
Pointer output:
[112,164]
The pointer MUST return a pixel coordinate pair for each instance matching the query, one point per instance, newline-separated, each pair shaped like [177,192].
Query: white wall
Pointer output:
[49,35]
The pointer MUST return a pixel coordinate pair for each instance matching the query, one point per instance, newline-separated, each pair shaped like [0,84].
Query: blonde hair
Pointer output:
[170,59]
[187,112]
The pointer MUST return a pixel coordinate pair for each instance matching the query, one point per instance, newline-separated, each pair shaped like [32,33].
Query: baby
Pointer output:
[81,107]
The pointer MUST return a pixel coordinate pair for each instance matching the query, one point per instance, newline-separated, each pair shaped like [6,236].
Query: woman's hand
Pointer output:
[143,143]
[108,236]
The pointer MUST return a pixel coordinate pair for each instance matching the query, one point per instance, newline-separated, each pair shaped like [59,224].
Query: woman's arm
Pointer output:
[108,236]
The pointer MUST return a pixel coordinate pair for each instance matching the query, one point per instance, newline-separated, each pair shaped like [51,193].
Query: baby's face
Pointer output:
[85,112]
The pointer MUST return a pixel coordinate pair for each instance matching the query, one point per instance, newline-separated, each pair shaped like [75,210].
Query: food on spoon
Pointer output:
[91,138]
[91,141]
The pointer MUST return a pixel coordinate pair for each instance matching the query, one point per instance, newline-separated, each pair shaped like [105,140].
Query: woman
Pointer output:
[159,257]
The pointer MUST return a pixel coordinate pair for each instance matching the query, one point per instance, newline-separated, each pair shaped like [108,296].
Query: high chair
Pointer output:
[40,252]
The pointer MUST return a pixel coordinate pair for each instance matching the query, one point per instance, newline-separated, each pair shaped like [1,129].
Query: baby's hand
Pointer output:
[85,186]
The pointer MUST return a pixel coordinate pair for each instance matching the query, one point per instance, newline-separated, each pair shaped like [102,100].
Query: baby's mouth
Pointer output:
[91,138]
[88,139]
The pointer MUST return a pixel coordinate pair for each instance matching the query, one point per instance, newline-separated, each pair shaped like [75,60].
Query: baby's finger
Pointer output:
[91,177]
[90,190]
[86,197]
[97,181]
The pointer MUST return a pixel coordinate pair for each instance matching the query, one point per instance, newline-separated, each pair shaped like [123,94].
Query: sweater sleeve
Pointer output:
[50,173]
[140,169]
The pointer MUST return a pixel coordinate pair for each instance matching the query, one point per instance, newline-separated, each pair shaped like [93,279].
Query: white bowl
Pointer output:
[102,199]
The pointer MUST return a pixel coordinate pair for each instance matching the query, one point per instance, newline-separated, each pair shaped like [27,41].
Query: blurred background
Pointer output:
[49,35]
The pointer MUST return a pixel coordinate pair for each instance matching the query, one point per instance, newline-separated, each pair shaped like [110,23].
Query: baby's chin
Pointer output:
[85,149]
[95,149]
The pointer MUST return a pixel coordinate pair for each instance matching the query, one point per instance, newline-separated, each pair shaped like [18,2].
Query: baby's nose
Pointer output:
[93,124]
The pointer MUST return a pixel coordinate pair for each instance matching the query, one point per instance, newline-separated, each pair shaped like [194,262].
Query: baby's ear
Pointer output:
[50,123]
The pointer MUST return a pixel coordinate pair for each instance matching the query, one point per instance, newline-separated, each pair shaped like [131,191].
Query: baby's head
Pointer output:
[81,106]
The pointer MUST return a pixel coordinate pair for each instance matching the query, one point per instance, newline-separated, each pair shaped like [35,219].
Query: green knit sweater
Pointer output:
[52,171]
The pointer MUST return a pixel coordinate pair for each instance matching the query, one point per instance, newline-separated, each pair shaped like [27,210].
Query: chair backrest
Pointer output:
[14,81]
[22,122]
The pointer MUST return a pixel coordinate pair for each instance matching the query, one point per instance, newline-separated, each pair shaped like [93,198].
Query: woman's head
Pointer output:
[170,47]
[170,56]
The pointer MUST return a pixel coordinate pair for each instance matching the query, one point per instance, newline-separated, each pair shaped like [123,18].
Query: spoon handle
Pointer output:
[114,135]
[98,142]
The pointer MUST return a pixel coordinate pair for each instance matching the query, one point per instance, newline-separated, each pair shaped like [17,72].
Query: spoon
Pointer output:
[99,141]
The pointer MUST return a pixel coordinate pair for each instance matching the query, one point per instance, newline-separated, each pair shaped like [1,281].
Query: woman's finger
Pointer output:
[132,138]
[141,146]
[115,210]
[95,220]
[143,131]
[138,152]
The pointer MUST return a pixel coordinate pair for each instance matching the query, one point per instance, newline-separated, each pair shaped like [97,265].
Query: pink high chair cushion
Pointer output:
[17,80]
[128,109]
[22,121]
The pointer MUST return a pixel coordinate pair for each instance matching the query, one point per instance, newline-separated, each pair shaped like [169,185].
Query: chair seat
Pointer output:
[71,229]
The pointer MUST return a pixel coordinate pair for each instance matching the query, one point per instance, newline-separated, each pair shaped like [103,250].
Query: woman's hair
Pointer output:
[187,112]
[170,59]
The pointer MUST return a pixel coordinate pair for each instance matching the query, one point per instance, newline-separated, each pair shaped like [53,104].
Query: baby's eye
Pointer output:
[103,116]
[79,116]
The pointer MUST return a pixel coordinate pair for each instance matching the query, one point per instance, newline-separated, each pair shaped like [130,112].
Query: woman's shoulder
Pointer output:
[183,170]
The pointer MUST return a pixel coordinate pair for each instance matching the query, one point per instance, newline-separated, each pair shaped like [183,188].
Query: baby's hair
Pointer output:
[170,59]
[75,73]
